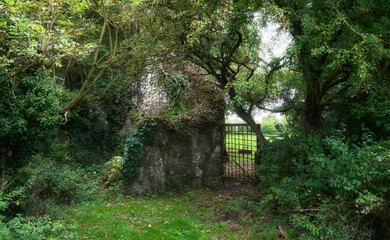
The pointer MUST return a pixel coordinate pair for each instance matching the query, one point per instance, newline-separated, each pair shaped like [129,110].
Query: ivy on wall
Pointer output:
[134,146]
[193,98]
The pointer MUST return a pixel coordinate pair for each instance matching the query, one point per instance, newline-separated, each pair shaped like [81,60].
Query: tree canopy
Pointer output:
[67,68]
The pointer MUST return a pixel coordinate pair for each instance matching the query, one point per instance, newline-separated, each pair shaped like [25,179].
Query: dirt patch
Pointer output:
[230,203]
[230,187]
[239,171]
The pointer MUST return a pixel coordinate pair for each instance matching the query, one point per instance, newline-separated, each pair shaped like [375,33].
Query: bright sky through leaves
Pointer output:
[275,44]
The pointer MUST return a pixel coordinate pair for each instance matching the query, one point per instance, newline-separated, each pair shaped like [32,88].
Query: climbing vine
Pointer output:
[193,98]
[135,142]
[177,88]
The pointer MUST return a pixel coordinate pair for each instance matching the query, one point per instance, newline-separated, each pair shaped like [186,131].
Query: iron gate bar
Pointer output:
[239,145]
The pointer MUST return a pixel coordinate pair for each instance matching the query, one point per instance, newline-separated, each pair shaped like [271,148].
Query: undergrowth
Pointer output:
[327,188]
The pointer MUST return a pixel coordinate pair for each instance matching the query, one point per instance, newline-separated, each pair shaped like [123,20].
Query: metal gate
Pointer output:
[240,145]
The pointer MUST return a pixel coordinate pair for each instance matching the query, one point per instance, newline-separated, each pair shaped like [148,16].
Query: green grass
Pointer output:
[236,141]
[241,140]
[198,214]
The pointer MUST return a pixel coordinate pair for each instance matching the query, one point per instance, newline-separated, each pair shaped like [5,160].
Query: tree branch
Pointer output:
[18,71]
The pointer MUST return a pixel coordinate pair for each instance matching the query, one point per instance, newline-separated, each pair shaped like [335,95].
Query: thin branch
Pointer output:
[268,78]
[95,59]
[275,110]
[18,71]
[66,118]
[330,84]
[308,210]
[358,33]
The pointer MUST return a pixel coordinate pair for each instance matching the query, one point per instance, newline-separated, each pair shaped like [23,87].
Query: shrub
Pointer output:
[36,228]
[112,172]
[28,227]
[58,183]
[28,115]
[92,132]
[335,185]
[268,128]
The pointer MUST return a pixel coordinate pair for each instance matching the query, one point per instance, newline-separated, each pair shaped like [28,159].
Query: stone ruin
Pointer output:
[175,159]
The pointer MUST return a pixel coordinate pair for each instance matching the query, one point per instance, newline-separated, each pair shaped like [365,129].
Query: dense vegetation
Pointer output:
[65,77]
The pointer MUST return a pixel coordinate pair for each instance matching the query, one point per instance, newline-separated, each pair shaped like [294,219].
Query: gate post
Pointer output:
[223,151]
[257,157]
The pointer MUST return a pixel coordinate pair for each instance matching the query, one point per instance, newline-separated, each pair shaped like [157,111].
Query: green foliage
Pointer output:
[53,183]
[28,112]
[35,34]
[271,126]
[142,136]
[329,185]
[40,35]
[341,49]
[36,228]
[176,87]
[29,227]
[221,38]
[330,182]
[373,112]
[111,174]
[268,128]
[93,133]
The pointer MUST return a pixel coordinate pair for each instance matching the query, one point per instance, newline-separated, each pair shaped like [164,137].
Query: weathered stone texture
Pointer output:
[149,99]
[175,158]
[181,159]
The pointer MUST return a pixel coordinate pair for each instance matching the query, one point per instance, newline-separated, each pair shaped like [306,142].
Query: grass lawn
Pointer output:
[236,142]
[221,213]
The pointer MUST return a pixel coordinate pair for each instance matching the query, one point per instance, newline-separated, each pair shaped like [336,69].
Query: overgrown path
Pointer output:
[223,212]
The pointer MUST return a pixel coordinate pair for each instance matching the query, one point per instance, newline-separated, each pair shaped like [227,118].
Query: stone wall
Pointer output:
[148,98]
[188,159]
[178,157]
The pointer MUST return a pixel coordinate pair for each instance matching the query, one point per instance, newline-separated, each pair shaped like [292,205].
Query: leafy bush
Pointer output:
[272,126]
[92,131]
[58,183]
[373,111]
[268,128]
[29,227]
[111,178]
[335,185]
[36,228]
[28,114]
[112,172]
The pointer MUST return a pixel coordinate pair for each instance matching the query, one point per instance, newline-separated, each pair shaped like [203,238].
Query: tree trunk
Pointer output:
[247,117]
[3,158]
[313,107]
